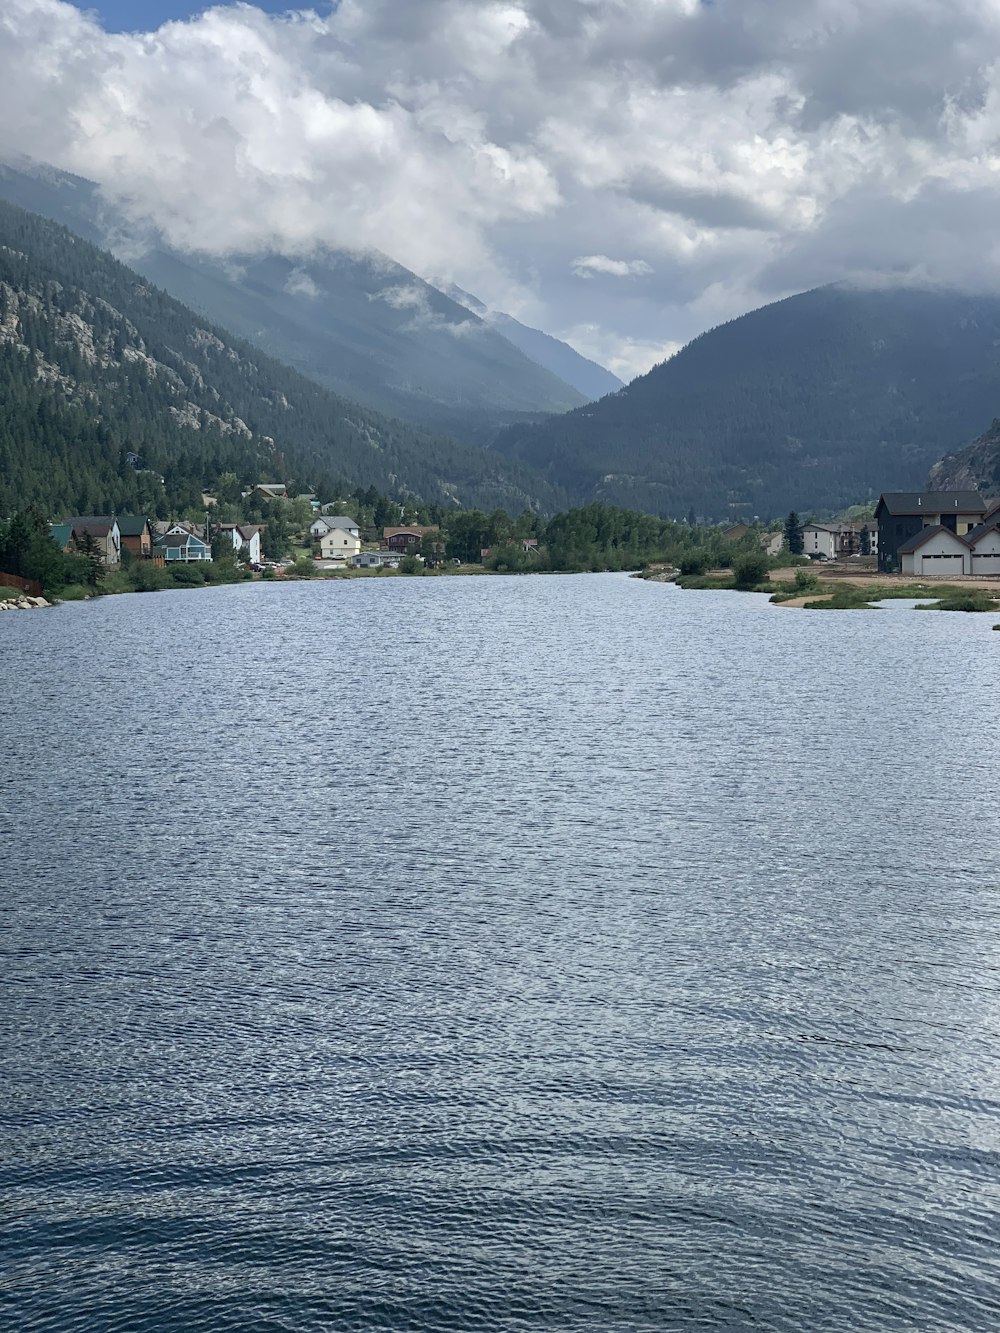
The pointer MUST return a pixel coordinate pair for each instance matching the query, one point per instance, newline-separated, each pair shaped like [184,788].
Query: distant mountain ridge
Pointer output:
[811,403]
[97,365]
[586,376]
[362,325]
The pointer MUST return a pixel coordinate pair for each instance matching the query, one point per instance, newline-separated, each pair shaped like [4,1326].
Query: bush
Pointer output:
[303,568]
[187,576]
[750,570]
[695,563]
[410,565]
[805,581]
[147,577]
[973,600]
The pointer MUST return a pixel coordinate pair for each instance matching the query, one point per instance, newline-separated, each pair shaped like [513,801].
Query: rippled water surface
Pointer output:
[498,954]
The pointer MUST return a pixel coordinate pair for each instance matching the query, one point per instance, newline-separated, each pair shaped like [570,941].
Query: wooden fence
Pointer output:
[29,586]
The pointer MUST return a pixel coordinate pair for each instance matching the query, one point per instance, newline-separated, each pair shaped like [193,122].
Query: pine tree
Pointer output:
[793,534]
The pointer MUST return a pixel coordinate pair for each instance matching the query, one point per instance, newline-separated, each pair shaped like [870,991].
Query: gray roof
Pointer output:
[924,535]
[989,526]
[934,502]
[98,525]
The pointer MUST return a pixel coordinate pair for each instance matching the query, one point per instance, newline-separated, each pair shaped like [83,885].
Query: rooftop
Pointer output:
[933,502]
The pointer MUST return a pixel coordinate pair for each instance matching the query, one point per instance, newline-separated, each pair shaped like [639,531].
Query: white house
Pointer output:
[340,543]
[984,548]
[245,535]
[327,522]
[250,536]
[819,540]
[936,552]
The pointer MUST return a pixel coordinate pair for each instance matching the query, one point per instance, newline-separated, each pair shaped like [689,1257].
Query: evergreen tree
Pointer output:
[793,534]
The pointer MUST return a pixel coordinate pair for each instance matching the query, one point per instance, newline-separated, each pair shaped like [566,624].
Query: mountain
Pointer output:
[587,377]
[811,403]
[359,324]
[976,467]
[97,364]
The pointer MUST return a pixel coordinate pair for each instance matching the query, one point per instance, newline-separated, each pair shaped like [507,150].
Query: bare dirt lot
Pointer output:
[861,578]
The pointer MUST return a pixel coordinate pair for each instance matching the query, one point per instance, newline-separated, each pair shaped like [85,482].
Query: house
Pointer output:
[62,534]
[406,539]
[271,490]
[935,552]
[105,531]
[340,543]
[902,515]
[310,499]
[376,560]
[984,546]
[137,536]
[772,542]
[252,537]
[181,545]
[735,533]
[819,541]
[327,522]
[245,536]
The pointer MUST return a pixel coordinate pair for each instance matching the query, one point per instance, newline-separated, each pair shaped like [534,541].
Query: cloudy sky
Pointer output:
[622,173]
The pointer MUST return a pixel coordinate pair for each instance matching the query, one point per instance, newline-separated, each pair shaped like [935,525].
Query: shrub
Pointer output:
[750,570]
[303,568]
[694,563]
[147,577]
[973,600]
[410,565]
[805,581]
[187,576]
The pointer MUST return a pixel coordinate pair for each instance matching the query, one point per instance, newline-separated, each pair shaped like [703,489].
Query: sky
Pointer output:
[621,173]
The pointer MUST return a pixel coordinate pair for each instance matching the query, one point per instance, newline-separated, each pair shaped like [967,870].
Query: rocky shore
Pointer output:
[23,603]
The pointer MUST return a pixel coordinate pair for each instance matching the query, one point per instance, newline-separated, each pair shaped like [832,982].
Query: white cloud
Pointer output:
[586,266]
[733,151]
[299,283]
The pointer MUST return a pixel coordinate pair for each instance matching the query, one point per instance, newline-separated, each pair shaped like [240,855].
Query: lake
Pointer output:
[526,954]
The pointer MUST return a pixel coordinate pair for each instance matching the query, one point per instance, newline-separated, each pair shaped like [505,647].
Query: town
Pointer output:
[952,535]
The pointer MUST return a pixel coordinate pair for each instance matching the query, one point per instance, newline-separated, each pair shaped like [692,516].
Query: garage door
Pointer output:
[943,564]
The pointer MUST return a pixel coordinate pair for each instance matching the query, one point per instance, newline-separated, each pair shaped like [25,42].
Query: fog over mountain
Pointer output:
[622,176]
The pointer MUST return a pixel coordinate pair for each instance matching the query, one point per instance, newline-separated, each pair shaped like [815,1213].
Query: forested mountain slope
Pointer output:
[361,325]
[811,403]
[95,363]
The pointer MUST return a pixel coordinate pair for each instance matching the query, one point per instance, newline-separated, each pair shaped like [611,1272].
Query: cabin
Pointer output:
[137,536]
[404,540]
[902,515]
[105,532]
[271,490]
